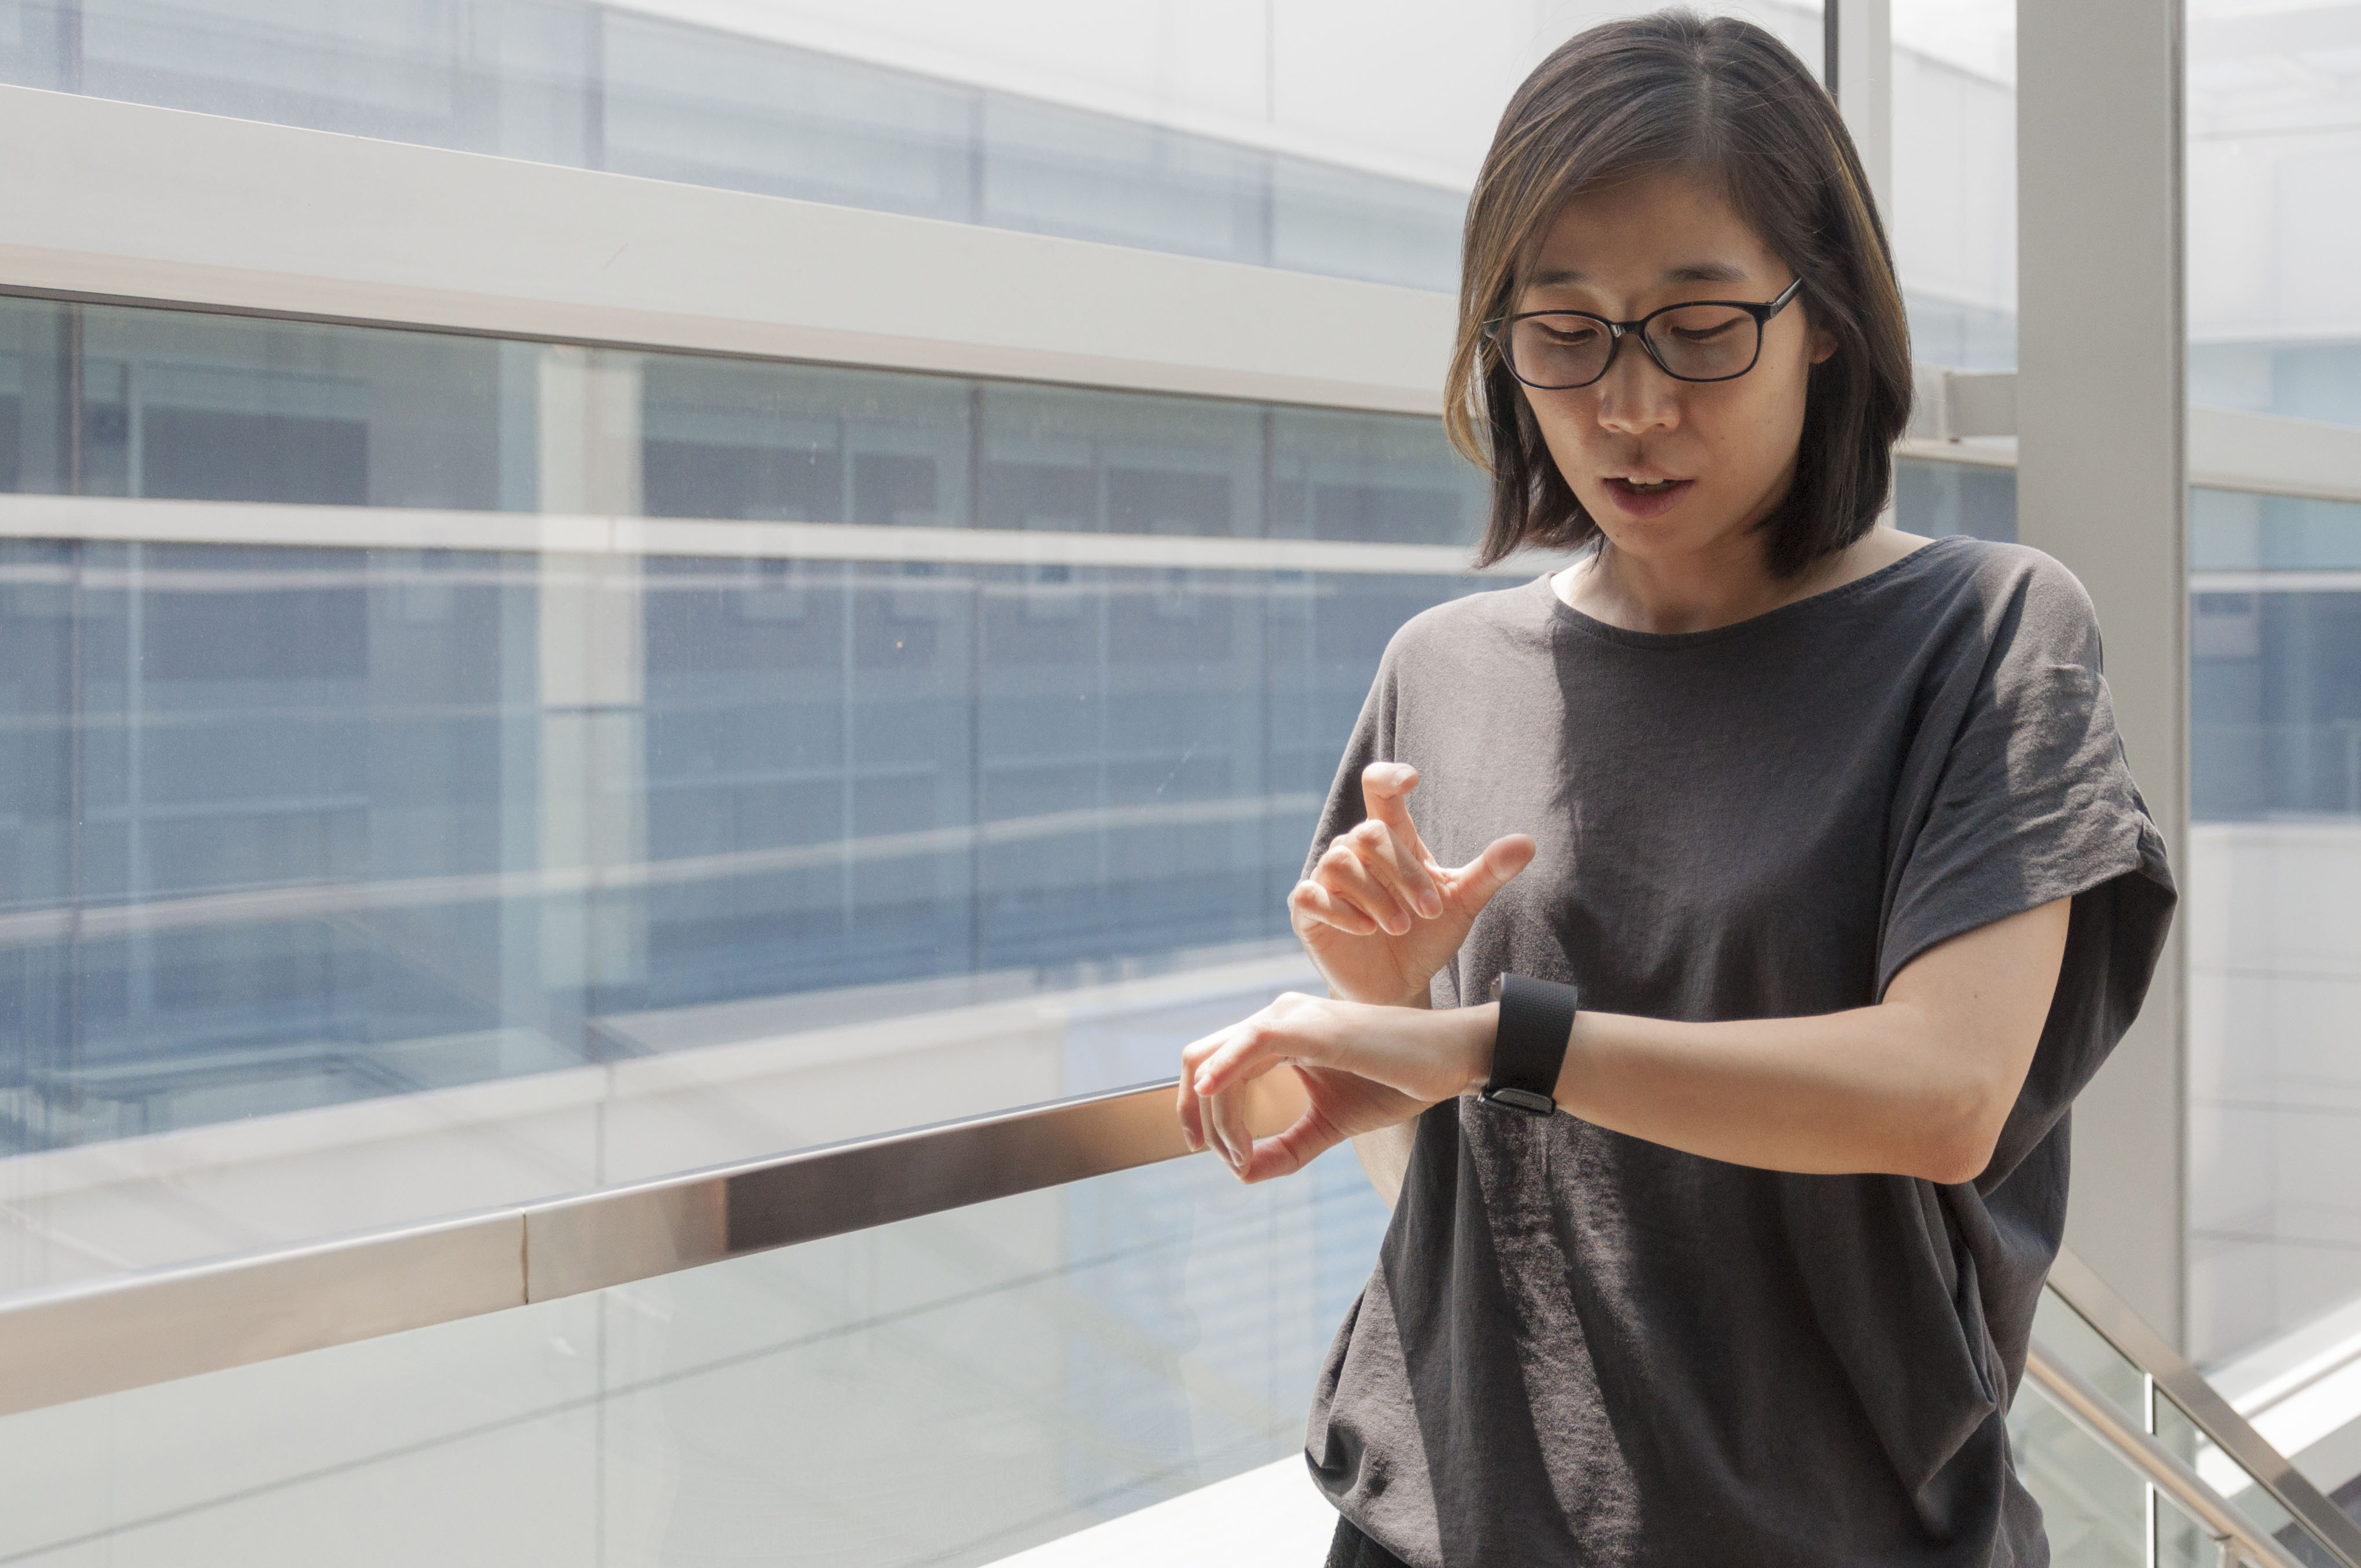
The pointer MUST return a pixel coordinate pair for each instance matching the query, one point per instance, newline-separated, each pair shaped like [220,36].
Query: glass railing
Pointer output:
[946,1390]
[944,1346]
[2104,1503]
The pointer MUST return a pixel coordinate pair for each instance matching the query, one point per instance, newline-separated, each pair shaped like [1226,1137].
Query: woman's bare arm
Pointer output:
[1918,1084]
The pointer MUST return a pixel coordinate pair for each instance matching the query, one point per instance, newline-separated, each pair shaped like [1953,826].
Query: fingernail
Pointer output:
[1429,905]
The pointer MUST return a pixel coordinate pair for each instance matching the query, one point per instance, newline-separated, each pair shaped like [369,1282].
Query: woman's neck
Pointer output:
[1721,587]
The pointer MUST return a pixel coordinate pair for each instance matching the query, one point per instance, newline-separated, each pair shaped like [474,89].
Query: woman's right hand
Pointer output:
[1377,915]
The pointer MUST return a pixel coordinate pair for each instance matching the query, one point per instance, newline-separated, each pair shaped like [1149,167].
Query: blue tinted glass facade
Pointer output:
[288,826]
[291,825]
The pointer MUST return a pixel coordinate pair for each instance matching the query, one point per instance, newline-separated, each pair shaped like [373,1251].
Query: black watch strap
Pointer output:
[1528,1050]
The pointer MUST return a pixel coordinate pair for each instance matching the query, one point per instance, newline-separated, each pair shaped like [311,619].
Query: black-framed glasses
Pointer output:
[1696,340]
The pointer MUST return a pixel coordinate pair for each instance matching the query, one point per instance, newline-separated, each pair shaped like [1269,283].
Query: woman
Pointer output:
[1828,826]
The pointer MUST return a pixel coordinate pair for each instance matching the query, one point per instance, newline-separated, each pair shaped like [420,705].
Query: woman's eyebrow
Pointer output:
[1706,272]
[1687,272]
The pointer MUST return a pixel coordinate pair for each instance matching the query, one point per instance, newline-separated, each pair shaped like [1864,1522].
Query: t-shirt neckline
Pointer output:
[1673,640]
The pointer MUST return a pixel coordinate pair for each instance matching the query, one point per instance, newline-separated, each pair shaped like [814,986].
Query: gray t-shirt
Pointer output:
[1582,1347]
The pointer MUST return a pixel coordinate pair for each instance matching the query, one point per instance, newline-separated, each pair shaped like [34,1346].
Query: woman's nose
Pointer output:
[1635,395]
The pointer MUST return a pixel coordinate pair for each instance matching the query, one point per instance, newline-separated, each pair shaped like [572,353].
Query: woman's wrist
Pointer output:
[1422,998]
[1473,1032]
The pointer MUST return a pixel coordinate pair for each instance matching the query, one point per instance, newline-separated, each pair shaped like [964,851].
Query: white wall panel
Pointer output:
[122,200]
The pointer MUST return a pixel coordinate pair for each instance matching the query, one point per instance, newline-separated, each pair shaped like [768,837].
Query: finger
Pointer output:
[1187,1100]
[1385,790]
[1316,906]
[1226,1112]
[1473,884]
[1193,1126]
[1288,1151]
[1344,873]
[1248,1053]
[1384,857]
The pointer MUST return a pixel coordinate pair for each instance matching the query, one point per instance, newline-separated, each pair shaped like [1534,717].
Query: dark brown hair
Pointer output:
[1724,99]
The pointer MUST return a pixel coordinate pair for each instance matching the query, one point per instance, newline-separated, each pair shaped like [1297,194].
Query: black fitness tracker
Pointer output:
[1529,1047]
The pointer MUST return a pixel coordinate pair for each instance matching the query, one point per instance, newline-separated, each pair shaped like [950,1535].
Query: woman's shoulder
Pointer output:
[2021,596]
[2003,563]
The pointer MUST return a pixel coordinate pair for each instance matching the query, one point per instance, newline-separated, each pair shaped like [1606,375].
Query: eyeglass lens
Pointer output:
[1696,343]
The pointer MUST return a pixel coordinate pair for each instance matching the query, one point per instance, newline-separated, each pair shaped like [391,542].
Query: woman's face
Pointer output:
[1729,445]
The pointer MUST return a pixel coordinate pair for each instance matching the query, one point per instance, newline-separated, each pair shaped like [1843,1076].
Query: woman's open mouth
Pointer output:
[1651,500]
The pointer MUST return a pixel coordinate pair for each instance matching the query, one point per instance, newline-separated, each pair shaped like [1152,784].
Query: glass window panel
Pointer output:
[1355,477]
[1936,498]
[688,103]
[2273,100]
[1345,223]
[1082,462]
[1052,170]
[1953,222]
[2275,956]
[626,862]
[2275,742]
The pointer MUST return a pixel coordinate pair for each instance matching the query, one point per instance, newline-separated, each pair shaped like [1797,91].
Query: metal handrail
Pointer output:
[2107,1421]
[129,1330]
[2079,1286]
[157,1325]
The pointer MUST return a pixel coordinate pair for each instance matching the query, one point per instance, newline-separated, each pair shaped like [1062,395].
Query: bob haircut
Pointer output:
[1722,100]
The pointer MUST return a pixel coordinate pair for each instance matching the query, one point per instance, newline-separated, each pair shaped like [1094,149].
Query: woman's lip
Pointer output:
[1646,503]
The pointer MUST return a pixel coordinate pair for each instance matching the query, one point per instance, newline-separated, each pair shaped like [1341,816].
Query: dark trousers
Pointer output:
[1351,1548]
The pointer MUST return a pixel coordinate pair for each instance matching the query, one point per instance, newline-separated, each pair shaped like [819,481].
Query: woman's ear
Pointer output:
[1823,343]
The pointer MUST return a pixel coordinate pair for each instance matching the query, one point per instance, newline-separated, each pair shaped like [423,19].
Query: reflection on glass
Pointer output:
[947,1390]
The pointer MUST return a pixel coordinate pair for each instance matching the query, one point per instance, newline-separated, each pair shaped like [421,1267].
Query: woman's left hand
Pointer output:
[1361,1068]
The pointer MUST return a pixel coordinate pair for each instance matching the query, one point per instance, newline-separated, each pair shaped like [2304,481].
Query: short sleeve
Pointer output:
[1372,741]
[2019,793]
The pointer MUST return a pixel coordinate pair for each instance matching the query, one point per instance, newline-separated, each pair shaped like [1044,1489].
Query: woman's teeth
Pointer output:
[1651,484]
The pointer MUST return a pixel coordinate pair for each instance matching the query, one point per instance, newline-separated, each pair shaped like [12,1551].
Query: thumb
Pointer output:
[1473,884]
